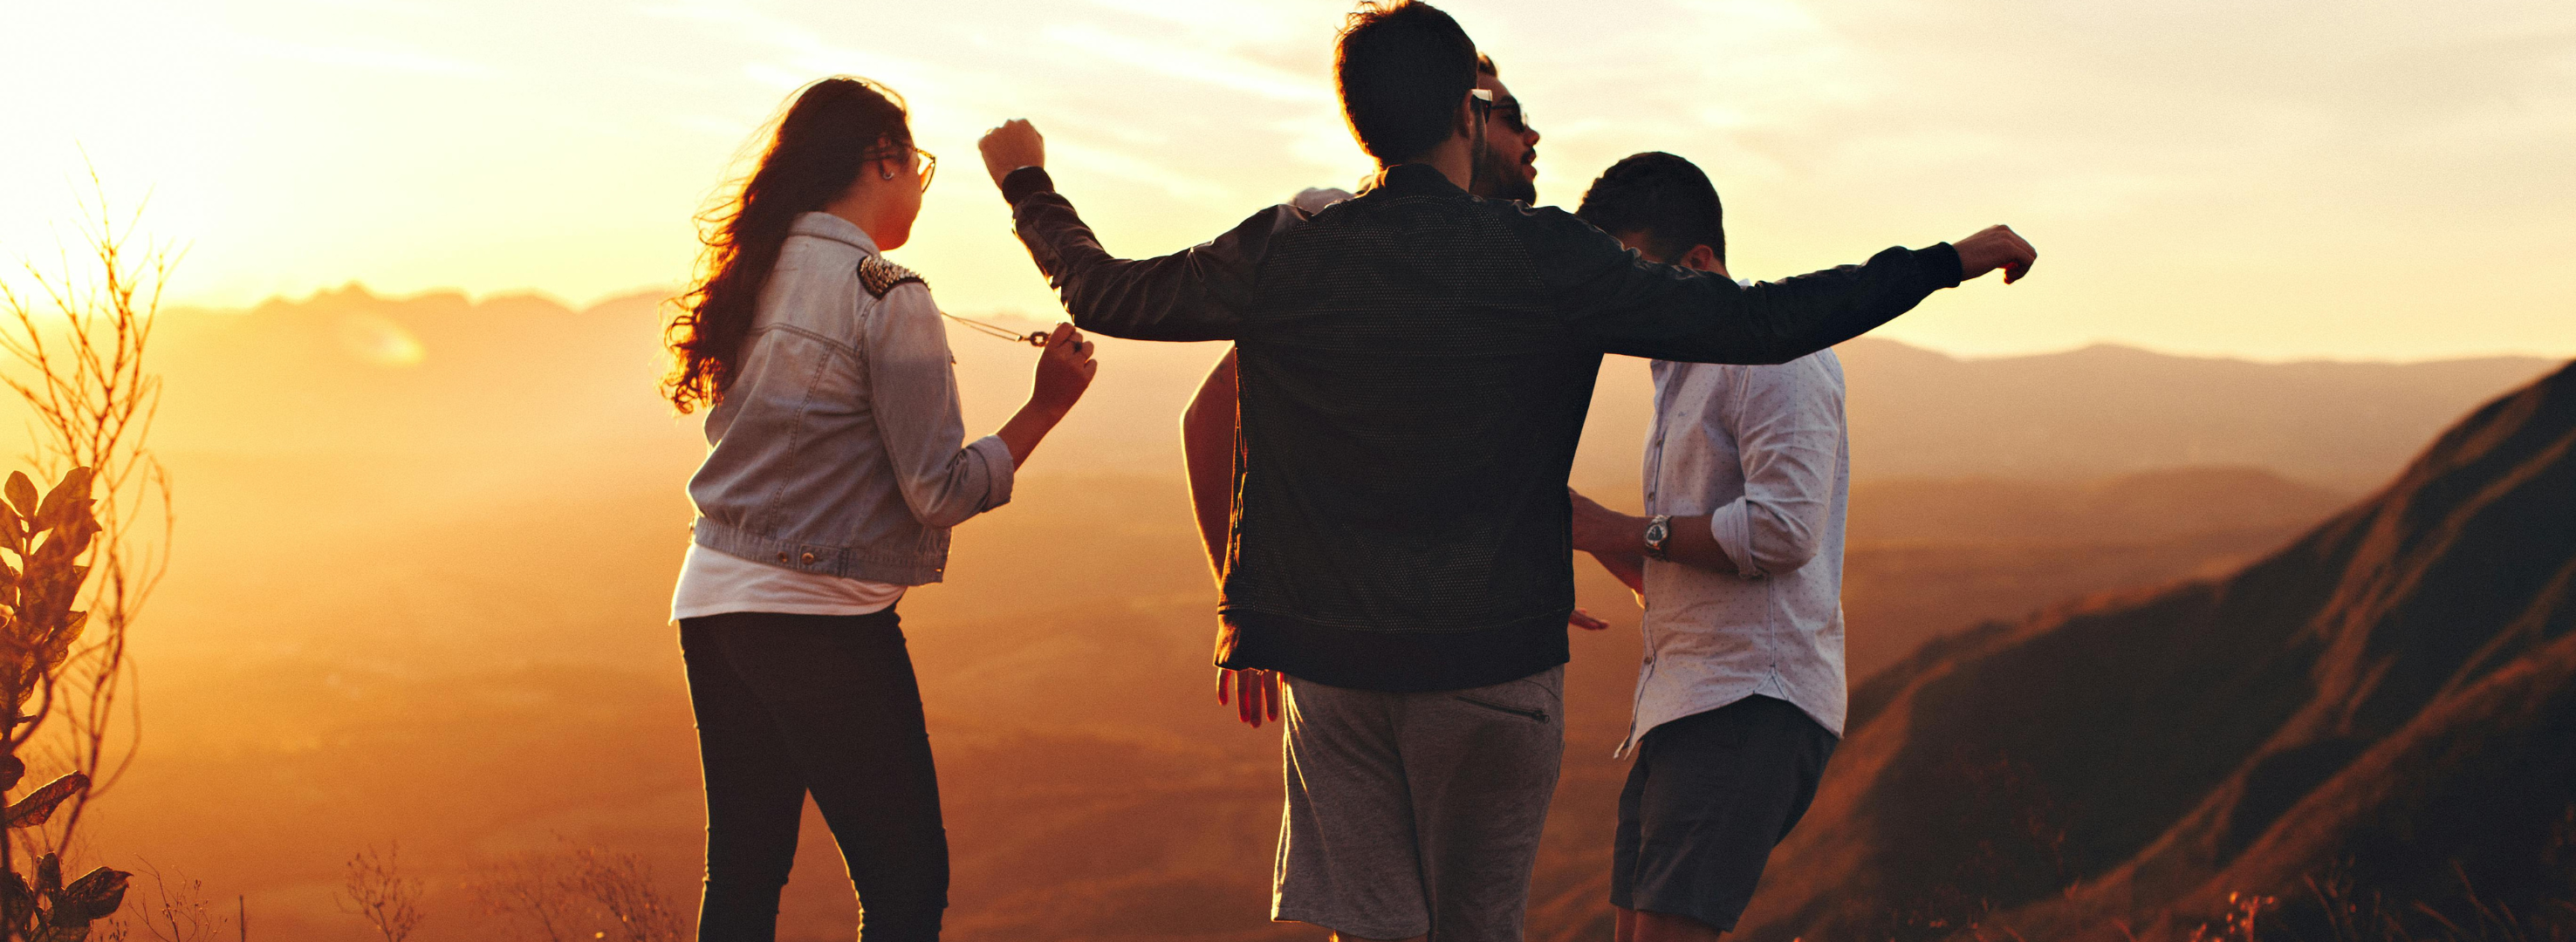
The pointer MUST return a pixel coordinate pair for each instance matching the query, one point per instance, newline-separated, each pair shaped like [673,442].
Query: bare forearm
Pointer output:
[1692,543]
[1208,447]
[1064,370]
[1027,428]
[1628,568]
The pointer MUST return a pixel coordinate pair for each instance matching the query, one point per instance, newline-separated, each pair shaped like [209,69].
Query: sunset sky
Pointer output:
[2269,180]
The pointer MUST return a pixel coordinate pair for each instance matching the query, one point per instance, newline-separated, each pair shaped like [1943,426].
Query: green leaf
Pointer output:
[22,493]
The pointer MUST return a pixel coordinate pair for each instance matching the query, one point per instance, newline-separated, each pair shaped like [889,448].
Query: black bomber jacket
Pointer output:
[1415,366]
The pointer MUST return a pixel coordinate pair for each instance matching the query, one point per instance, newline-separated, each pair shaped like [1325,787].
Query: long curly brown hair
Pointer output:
[830,131]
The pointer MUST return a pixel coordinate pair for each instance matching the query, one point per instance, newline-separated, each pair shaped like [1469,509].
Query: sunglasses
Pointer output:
[1507,110]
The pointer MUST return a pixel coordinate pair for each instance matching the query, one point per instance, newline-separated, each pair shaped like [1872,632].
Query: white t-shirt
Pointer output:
[714,583]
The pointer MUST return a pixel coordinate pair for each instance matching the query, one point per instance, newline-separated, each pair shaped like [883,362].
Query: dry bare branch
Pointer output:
[622,885]
[531,890]
[375,889]
[91,547]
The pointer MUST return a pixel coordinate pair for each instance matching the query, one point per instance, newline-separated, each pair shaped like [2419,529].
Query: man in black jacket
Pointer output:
[1415,365]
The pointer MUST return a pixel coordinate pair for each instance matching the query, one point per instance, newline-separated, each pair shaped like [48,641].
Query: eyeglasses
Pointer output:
[921,161]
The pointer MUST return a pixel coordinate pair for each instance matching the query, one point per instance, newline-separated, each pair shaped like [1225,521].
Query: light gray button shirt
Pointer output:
[1764,450]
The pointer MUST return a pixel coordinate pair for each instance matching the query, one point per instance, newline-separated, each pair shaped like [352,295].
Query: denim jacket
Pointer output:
[837,447]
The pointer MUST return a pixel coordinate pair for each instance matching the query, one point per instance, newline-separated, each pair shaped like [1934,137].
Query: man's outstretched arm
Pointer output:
[1640,308]
[1194,294]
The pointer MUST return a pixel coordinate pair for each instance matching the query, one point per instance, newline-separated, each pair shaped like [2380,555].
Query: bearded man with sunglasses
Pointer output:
[1414,366]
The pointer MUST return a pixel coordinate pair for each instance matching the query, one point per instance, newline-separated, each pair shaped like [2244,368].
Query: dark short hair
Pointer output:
[1485,66]
[1402,68]
[1662,198]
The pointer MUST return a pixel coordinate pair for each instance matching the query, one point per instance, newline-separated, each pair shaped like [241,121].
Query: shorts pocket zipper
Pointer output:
[1538,715]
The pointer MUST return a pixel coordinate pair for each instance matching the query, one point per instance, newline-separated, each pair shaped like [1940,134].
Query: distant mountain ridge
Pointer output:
[2109,409]
[2143,506]
[523,368]
[2387,705]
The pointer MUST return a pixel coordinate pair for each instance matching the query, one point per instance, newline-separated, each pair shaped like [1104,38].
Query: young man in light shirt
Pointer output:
[1739,564]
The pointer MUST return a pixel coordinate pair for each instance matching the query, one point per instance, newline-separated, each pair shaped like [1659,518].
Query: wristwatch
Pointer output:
[1659,531]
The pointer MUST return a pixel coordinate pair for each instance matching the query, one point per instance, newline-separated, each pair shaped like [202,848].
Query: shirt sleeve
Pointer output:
[1787,423]
[1632,306]
[1198,293]
[912,392]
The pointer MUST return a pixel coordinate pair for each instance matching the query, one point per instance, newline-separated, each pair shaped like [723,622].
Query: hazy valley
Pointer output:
[424,552]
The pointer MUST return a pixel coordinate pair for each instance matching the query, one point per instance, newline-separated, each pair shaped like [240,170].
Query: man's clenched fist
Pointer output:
[1015,144]
[1996,247]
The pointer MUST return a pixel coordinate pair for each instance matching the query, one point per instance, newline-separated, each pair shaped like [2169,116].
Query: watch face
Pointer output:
[1658,531]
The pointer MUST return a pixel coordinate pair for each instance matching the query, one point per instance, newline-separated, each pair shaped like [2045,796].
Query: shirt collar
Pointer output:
[824,225]
[1414,180]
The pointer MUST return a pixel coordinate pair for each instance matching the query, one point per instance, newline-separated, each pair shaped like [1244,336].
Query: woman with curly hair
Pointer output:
[837,463]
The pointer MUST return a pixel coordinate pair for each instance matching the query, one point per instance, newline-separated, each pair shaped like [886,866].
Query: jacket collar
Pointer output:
[1415,180]
[824,225]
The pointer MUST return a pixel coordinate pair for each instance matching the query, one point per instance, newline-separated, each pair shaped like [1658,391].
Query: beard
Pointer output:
[1501,179]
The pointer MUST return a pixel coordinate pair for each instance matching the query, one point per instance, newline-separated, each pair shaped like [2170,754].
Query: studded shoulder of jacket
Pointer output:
[880,276]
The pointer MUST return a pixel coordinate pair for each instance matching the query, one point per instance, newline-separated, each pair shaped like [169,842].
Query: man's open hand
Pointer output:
[1015,144]
[1996,247]
[1254,694]
[1599,529]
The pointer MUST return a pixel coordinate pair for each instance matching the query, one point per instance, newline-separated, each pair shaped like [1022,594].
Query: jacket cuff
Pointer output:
[1000,471]
[1940,264]
[1018,184]
[1734,532]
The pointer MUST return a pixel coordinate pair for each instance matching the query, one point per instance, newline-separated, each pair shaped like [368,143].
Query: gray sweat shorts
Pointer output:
[1415,813]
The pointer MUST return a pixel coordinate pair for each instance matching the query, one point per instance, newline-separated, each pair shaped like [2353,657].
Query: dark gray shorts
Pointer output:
[1414,813]
[1709,796]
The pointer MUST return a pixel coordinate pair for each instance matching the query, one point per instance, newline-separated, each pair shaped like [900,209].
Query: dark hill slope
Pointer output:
[2389,697]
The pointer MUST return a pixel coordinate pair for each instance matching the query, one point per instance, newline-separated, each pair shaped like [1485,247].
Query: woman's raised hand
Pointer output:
[1064,370]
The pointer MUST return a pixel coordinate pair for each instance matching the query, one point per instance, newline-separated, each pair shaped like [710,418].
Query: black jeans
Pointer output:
[788,704]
